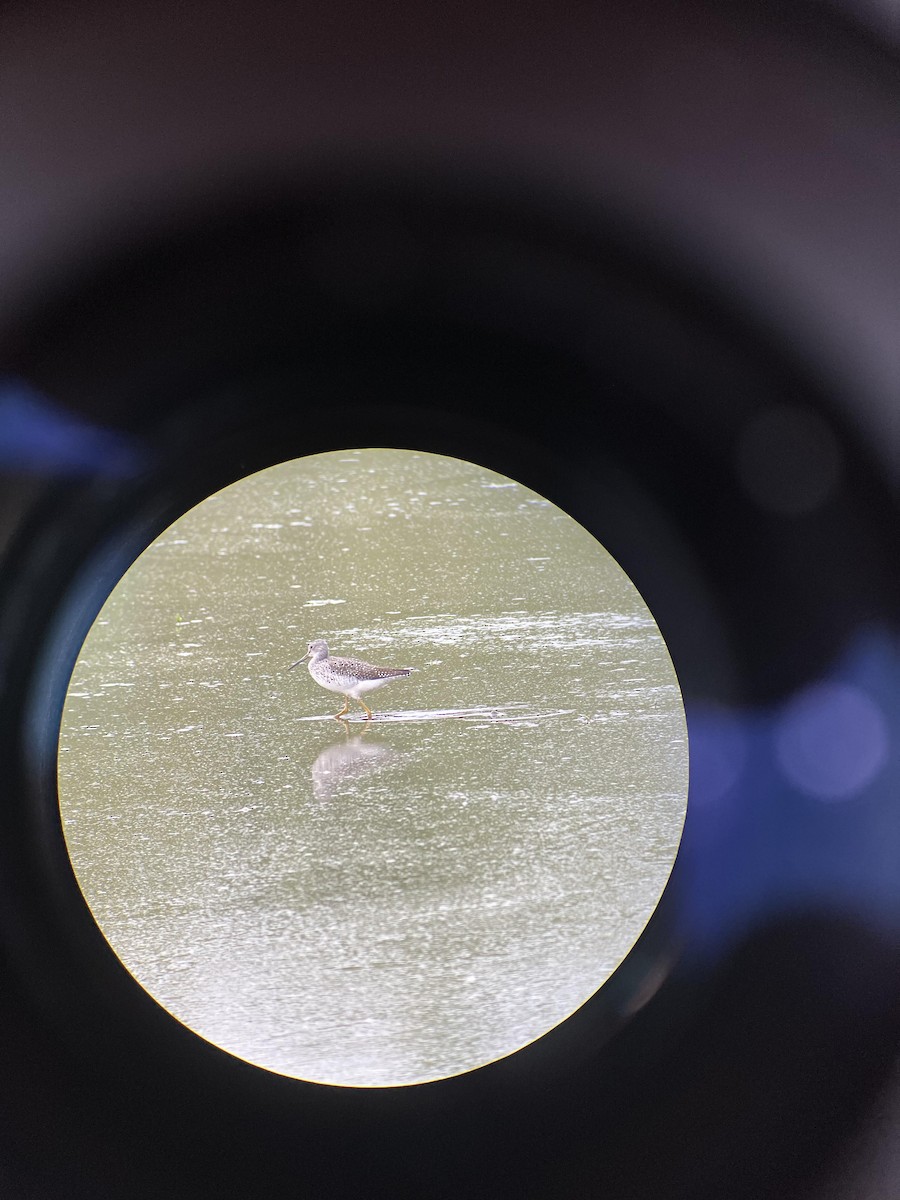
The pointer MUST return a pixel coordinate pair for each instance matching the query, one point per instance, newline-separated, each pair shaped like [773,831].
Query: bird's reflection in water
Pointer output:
[347,762]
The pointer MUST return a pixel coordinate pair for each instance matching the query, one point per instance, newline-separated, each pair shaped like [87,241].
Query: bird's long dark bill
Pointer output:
[298,662]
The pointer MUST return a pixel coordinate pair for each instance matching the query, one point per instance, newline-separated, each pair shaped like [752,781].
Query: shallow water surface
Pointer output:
[377,902]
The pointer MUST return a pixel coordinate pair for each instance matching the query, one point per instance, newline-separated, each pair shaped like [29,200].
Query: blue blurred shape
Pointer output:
[37,435]
[832,741]
[795,807]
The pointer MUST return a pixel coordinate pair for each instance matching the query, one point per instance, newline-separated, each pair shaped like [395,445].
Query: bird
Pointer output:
[349,676]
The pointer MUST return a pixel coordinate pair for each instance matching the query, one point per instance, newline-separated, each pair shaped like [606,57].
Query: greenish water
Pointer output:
[384,902]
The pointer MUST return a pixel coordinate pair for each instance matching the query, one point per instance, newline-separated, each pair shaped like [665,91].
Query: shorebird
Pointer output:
[349,676]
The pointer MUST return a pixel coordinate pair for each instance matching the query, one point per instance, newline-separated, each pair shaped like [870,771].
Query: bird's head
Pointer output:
[315,650]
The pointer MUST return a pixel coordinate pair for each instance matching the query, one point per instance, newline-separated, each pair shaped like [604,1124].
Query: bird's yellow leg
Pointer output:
[337,716]
[366,707]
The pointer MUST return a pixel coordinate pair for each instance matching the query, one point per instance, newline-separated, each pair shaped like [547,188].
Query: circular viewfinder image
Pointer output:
[373,767]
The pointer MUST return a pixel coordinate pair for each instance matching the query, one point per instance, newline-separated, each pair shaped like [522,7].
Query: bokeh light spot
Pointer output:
[788,461]
[832,741]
